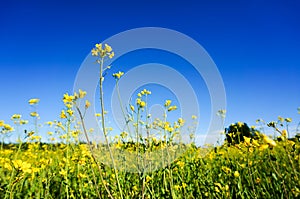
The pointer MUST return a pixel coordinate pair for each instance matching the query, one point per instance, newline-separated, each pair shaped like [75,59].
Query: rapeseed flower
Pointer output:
[33,101]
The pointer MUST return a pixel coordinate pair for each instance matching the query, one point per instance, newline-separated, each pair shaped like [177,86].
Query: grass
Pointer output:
[154,165]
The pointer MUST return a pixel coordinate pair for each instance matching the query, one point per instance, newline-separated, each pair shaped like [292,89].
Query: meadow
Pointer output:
[70,165]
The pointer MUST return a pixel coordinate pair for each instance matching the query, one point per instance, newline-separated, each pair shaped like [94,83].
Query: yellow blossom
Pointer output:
[111,55]
[148,178]
[181,121]
[269,141]
[15,116]
[70,112]
[87,104]
[284,133]
[95,52]
[34,114]
[118,75]
[33,101]
[288,119]
[107,48]
[63,114]
[82,94]
[68,98]
[236,174]
[168,103]
[172,108]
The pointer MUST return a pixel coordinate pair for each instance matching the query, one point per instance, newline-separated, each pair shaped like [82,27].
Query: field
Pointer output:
[249,164]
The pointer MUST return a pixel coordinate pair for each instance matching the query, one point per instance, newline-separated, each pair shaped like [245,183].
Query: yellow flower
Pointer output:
[1,122]
[184,185]
[288,119]
[82,94]
[34,114]
[118,75]
[111,55]
[236,174]
[68,98]
[132,107]
[107,48]
[280,119]
[247,140]
[269,141]
[87,104]
[99,46]
[148,178]
[177,187]
[180,164]
[15,116]
[168,103]
[7,127]
[194,117]
[181,121]
[255,143]
[284,133]
[95,52]
[63,114]
[97,114]
[70,112]
[263,147]
[172,108]
[33,101]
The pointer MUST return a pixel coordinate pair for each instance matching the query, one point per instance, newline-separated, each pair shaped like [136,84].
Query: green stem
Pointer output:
[103,126]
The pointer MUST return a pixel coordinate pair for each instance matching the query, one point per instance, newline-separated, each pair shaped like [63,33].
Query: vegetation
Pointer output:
[147,160]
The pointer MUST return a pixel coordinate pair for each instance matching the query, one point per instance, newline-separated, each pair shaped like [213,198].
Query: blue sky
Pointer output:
[255,45]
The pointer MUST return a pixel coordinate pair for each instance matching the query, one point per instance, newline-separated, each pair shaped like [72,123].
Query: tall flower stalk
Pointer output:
[103,52]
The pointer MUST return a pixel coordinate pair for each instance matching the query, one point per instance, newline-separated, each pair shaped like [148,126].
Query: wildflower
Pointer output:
[68,98]
[180,121]
[240,124]
[132,107]
[247,140]
[263,147]
[7,127]
[226,169]
[97,114]
[15,116]
[280,119]
[177,187]
[148,178]
[95,52]
[107,48]
[180,164]
[33,101]
[184,185]
[269,141]
[255,143]
[236,174]
[111,55]
[257,181]
[284,133]
[87,104]
[82,94]
[140,103]
[172,108]
[70,112]
[288,119]
[168,103]
[34,114]
[118,75]
[194,117]
[1,122]
[63,114]
[124,134]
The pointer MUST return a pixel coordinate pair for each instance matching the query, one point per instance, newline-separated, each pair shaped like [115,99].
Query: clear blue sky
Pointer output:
[255,45]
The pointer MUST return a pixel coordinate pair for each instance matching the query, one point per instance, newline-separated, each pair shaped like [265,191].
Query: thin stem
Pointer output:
[103,125]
